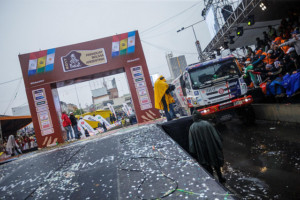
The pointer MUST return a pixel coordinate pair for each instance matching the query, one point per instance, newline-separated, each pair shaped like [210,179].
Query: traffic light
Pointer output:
[250,20]
[239,31]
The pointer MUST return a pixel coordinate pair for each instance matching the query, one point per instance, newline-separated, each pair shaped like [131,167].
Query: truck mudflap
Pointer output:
[232,104]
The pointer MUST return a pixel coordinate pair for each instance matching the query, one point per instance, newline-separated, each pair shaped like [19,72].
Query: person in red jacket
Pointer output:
[67,124]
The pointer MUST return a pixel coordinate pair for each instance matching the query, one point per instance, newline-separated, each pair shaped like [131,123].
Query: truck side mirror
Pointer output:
[183,86]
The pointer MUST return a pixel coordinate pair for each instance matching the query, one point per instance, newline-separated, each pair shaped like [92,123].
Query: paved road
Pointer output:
[141,163]
[262,161]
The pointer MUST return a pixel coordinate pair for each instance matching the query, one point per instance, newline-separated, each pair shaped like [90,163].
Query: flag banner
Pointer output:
[79,59]
[50,60]
[115,46]
[123,44]
[111,108]
[131,42]
[41,61]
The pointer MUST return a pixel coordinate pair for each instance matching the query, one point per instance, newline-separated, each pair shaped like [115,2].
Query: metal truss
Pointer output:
[238,15]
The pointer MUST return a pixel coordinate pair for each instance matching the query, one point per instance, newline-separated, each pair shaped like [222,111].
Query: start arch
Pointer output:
[45,71]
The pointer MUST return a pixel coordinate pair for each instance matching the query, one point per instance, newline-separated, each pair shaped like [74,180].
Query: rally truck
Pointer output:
[216,89]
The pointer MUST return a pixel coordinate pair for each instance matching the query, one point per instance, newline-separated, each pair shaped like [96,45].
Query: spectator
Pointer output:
[259,43]
[12,148]
[205,144]
[271,31]
[295,41]
[74,125]
[162,96]
[67,125]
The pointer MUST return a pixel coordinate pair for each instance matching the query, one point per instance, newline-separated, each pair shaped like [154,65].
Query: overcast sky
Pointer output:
[30,25]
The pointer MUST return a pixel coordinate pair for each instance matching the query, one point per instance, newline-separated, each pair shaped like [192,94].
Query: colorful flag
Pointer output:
[42,61]
[50,60]
[123,43]
[115,46]
[131,42]
[32,64]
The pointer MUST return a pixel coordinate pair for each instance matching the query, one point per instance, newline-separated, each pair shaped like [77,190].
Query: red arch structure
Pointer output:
[45,71]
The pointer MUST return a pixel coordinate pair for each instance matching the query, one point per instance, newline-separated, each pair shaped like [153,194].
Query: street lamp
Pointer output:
[199,50]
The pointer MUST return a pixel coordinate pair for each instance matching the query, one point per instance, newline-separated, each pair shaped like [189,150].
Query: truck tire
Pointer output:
[247,115]
[192,110]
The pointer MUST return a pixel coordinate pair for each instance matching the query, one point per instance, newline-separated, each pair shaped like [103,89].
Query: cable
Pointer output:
[169,18]
[14,97]
[166,49]
[172,29]
[10,81]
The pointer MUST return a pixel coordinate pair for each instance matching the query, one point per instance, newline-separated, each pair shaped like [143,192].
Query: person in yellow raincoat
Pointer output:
[163,98]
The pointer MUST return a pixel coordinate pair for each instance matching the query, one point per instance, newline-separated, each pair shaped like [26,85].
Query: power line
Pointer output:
[14,97]
[172,29]
[10,81]
[169,18]
[166,49]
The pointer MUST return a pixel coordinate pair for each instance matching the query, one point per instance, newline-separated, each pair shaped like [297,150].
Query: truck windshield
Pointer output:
[213,73]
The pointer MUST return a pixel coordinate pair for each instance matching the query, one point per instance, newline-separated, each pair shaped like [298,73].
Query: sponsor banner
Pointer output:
[146,106]
[86,126]
[140,84]
[102,120]
[142,91]
[44,120]
[39,94]
[47,131]
[42,111]
[141,88]
[144,100]
[139,79]
[42,108]
[40,103]
[111,108]
[79,59]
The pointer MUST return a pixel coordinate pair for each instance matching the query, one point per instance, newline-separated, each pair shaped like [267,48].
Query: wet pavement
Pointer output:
[262,161]
[137,163]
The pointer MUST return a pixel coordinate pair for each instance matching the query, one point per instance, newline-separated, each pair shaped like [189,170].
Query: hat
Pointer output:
[270,51]
[259,52]
[290,50]
[278,39]
[71,113]
[248,59]
[277,63]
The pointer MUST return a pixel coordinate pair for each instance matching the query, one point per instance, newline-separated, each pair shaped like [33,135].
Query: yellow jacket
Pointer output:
[160,88]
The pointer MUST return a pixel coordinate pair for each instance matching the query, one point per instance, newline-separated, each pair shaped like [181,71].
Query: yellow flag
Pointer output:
[123,44]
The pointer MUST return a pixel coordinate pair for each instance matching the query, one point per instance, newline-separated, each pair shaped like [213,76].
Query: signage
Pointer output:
[79,59]
[42,110]
[141,88]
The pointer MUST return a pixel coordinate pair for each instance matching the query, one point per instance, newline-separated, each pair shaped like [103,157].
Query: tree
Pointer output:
[78,112]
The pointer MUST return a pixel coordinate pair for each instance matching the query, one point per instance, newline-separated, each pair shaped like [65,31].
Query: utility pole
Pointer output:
[199,50]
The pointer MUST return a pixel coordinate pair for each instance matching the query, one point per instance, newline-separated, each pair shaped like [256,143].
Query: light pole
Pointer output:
[199,50]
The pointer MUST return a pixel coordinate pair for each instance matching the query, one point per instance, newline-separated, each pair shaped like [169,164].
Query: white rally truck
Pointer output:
[216,89]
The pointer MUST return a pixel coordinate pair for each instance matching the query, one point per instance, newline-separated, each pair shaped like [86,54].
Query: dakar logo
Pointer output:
[221,90]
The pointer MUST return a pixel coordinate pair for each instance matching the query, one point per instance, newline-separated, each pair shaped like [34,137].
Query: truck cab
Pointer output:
[212,87]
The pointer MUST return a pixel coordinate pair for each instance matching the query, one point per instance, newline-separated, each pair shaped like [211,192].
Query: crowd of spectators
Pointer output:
[274,65]
[19,144]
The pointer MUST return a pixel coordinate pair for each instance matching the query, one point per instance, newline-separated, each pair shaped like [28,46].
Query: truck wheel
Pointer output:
[247,115]
[192,110]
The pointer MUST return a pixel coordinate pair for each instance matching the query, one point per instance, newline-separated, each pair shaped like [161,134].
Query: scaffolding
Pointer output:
[241,9]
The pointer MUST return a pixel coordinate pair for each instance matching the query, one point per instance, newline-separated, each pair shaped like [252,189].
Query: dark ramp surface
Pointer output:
[143,163]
